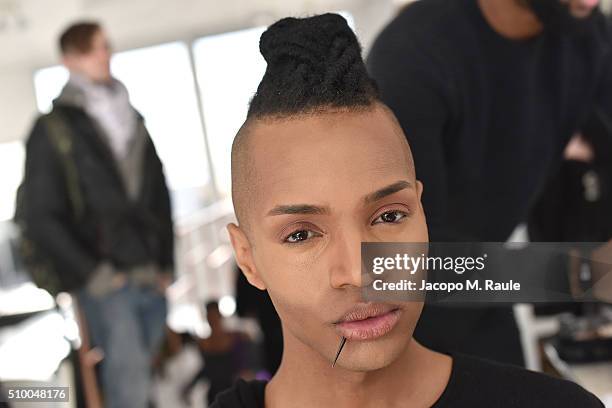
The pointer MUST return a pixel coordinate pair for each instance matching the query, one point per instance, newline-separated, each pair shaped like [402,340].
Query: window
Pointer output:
[12,157]
[228,67]
[48,83]
[162,88]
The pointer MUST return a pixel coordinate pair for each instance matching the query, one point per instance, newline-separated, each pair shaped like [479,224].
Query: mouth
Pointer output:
[368,321]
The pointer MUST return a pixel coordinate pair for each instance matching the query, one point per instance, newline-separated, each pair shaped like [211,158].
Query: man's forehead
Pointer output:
[293,159]
[374,129]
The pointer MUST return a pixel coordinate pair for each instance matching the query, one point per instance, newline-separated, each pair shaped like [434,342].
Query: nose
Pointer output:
[345,262]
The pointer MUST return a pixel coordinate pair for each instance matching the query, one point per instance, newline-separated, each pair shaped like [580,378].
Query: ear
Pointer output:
[244,255]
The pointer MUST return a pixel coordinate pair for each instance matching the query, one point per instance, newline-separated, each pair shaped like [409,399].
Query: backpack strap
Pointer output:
[61,137]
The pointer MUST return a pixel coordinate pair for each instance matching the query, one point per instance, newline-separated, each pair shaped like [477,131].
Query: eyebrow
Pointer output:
[310,209]
[298,209]
[387,191]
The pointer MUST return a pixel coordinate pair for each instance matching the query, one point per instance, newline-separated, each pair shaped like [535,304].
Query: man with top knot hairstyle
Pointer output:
[319,166]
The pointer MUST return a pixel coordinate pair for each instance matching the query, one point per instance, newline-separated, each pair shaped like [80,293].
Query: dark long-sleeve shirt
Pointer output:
[487,118]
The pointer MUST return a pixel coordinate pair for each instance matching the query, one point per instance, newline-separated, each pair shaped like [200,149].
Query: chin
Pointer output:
[370,355]
[373,355]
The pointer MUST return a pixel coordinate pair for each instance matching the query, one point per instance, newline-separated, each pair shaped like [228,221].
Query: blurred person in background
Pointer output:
[95,204]
[255,303]
[575,203]
[224,355]
[489,92]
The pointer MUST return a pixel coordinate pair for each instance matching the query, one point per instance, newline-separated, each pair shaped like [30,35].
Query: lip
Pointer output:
[368,321]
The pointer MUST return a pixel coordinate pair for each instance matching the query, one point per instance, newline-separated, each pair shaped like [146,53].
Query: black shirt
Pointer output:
[487,118]
[473,383]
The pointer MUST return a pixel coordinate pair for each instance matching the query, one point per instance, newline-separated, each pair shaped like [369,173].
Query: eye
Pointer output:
[390,217]
[300,236]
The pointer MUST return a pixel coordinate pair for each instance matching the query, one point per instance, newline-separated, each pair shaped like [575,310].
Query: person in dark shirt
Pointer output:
[320,166]
[223,356]
[252,302]
[488,92]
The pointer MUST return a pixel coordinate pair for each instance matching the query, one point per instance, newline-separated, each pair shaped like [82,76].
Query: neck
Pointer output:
[83,78]
[305,378]
[512,19]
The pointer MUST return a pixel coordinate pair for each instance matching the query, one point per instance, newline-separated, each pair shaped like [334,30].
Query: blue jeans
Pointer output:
[128,325]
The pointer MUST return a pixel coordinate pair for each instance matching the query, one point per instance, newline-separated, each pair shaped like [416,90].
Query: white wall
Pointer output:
[17,103]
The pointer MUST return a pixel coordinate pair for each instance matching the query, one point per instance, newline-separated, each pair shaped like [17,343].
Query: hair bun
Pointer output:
[312,61]
[313,38]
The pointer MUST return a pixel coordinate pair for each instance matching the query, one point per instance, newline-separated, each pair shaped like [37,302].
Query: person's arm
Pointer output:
[410,84]
[164,216]
[48,210]
[597,125]
[167,255]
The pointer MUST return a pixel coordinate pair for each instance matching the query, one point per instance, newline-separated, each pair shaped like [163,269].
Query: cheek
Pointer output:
[301,309]
[282,273]
[412,230]
[417,230]
[298,271]
[104,58]
[91,64]
[297,287]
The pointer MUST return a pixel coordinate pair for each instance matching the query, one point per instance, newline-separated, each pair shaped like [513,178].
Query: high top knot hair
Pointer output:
[314,63]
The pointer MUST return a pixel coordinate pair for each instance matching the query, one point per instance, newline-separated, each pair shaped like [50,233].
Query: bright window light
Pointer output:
[12,157]
[228,67]
[162,88]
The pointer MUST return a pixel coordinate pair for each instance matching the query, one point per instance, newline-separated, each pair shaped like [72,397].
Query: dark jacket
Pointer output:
[112,227]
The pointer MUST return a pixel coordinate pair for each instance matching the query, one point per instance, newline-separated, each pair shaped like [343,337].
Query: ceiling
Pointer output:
[30,42]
